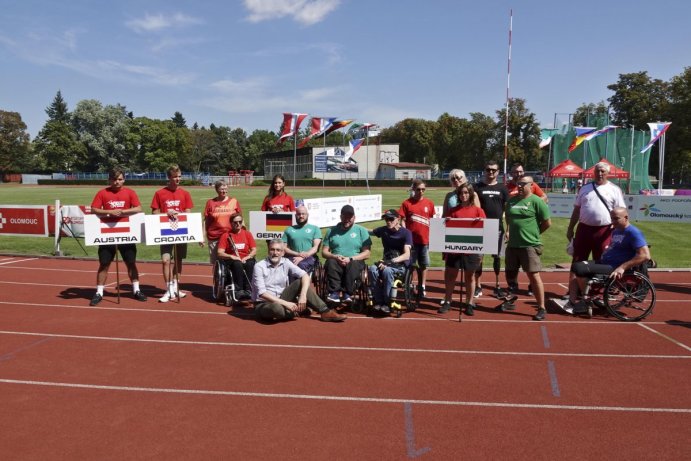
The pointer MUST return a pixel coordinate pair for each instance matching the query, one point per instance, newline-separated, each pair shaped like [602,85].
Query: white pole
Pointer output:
[662,161]
[631,161]
[508,86]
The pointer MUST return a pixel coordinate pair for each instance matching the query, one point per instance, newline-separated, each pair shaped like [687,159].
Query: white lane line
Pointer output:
[13,261]
[682,345]
[343,348]
[345,398]
[127,309]
[84,271]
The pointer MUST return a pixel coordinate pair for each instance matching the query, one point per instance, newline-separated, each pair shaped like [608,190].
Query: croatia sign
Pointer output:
[24,220]
[113,230]
[266,225]
[163,230]
[464,235]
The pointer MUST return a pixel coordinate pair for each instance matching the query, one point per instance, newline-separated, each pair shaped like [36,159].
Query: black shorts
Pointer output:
[467,262]
[106,253]
[180,250]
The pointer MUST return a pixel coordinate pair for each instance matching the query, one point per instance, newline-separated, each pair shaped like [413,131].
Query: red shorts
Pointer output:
[590,239]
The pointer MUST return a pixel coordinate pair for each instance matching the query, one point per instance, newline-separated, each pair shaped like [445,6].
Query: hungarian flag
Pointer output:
[170,226]
[113,225]
[464,231]
[318,127]
[291,125]
[278,221]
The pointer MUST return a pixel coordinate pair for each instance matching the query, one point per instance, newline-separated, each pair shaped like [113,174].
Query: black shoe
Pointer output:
[470,310]
[96,299]
[541,314]
[139,296]
[444,308]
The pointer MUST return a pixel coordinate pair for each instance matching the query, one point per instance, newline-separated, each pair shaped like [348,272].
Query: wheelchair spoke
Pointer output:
[630,298]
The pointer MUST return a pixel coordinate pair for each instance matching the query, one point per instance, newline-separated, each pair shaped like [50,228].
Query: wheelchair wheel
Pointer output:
[219,281]
[319,280]
[411,288]
[361,296]
[631,298]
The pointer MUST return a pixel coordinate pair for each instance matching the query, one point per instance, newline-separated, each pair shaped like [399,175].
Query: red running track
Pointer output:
[192,380]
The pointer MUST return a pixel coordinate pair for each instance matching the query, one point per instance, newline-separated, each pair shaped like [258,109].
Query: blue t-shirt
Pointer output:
[624,245]
[394,241]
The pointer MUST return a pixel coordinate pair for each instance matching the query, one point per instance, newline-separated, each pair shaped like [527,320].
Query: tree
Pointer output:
[15,147]
[523,136]
[179,120]
[258,143]
[678,143]
[415,138]
[157,144]
[56,147]
[58,109]
[638,99]
[591,115]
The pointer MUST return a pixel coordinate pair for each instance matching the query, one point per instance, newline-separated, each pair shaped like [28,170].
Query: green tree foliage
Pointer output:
[157,144]
[15,146]
[179,120]
[58,109]
[415,138]
[678,145]
[638,99]
[523,136]
[258,143]
[56,148]
[591,115]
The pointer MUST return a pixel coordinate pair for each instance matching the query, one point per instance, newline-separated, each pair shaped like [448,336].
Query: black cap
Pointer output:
[391,213]
[348,209]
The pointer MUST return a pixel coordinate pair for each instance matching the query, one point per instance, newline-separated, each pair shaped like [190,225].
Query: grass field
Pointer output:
[666,239]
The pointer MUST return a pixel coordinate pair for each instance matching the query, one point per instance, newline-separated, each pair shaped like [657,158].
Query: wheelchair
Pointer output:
[361,297]
[223,288]
[630,298]
[409,284]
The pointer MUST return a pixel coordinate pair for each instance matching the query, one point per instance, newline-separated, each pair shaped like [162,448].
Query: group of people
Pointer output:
[280,284]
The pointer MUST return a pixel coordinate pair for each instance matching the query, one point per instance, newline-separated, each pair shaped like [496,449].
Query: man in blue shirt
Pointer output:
[627,249]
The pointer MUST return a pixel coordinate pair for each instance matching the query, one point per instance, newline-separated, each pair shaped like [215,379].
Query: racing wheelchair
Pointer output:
[630,298]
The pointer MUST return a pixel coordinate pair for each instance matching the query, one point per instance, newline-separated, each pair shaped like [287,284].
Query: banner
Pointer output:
[70,220]
[113,230]
[24,220]
[326,212]
[265,225]
[464,235]
[162,230]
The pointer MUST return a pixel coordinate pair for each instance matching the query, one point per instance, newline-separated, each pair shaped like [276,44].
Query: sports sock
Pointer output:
[99,289]
[135,286]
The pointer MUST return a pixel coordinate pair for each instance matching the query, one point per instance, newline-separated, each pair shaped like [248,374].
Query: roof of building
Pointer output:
[418,166]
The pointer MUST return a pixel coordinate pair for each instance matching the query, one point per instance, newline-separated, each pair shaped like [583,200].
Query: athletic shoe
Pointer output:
[347,299]
[139,296]
[385,309]
[181,294]
[478,292]
[541,314]
[445,306]
[470,309]
[334,297]
[166,297]
[96,299]
[421,291]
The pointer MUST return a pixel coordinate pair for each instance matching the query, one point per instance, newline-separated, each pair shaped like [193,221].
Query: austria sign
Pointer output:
[24,220]
[113,230]
[162,230]
[464,235]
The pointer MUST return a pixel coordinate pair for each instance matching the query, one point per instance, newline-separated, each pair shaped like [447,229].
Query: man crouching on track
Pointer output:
[276,298]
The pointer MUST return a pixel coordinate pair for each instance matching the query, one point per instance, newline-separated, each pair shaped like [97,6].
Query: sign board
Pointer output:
[24,220]
[265,225]
[113,230]
[326,212]
[663,208]
[464,235]
[162,230]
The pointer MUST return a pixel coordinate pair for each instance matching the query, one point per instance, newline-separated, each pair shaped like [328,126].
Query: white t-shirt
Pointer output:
[593,212]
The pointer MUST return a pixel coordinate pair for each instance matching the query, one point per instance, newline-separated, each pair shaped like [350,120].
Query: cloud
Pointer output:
[159,22]
[306,12]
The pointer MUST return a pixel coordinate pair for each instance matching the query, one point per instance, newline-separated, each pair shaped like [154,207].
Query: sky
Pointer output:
[242,63]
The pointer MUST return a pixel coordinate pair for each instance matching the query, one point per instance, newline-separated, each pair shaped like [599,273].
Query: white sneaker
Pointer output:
[166,297]
[182,294]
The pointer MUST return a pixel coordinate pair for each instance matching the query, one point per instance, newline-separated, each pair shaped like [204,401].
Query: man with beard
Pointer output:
[276,298]
[302,241]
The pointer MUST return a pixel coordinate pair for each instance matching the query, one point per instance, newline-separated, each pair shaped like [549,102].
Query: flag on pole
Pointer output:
[359,129]
[546,136]
[318,127]
[656,130]
[355,144]
[581,133]
[337,125]
[291,125]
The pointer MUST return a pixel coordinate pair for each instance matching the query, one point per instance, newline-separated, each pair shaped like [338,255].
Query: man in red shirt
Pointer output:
[116,201]
[417,211]
[238,248]
[172,200]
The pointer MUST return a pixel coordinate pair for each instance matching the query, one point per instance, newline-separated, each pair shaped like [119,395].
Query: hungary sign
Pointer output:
[462,235]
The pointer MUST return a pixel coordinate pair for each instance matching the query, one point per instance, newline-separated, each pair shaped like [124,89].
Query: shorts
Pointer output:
[106,253]
[590,239]
[527,258]
[467,262]
[180,250]
[419,255]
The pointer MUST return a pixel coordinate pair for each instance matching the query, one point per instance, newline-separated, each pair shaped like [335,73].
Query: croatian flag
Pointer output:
[115,225]
[278,221]
[465,230]
[171,226]
[656,130]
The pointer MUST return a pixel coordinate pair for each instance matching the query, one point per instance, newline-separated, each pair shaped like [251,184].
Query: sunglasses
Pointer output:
[491,170]
[523,184]
[237,222]
[421,189]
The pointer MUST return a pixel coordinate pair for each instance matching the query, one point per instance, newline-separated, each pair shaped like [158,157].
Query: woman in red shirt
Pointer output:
[217,213]
[470,216]
[277,200]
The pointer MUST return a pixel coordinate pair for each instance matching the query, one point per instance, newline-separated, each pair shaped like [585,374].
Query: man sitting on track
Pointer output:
[276,298]
[627,249]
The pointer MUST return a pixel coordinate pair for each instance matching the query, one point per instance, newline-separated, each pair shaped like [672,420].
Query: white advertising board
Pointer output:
[113,230]
[326,212]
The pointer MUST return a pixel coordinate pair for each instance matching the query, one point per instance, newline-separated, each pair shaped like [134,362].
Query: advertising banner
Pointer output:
[464,235]
[113,230]
[675,208]
[162,230]
[326,212]
[24,220]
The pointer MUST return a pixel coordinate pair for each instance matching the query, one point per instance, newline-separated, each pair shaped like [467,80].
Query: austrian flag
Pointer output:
[170,226]
[112,225]
[468,231]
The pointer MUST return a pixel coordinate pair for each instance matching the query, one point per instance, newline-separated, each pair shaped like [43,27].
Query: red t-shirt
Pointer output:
[284,201]
[471,211]
[217,216]
[108,199]
[417,216]
[178,200]
[513,189]
[243,240]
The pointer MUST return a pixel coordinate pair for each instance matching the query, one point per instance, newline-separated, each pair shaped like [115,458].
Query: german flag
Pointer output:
[278,221]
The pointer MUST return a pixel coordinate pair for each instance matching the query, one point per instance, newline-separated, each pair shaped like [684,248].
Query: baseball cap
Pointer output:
[390,213]
[348,209]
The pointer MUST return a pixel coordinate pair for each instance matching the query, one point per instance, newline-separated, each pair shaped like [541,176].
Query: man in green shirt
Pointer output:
[346,247]
[302,241]
[527,217]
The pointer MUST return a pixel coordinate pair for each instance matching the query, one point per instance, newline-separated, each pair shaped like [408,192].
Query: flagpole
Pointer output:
[367,169]
[630,163]
[662,161]
[508,86]
[325,161]
[295,152]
